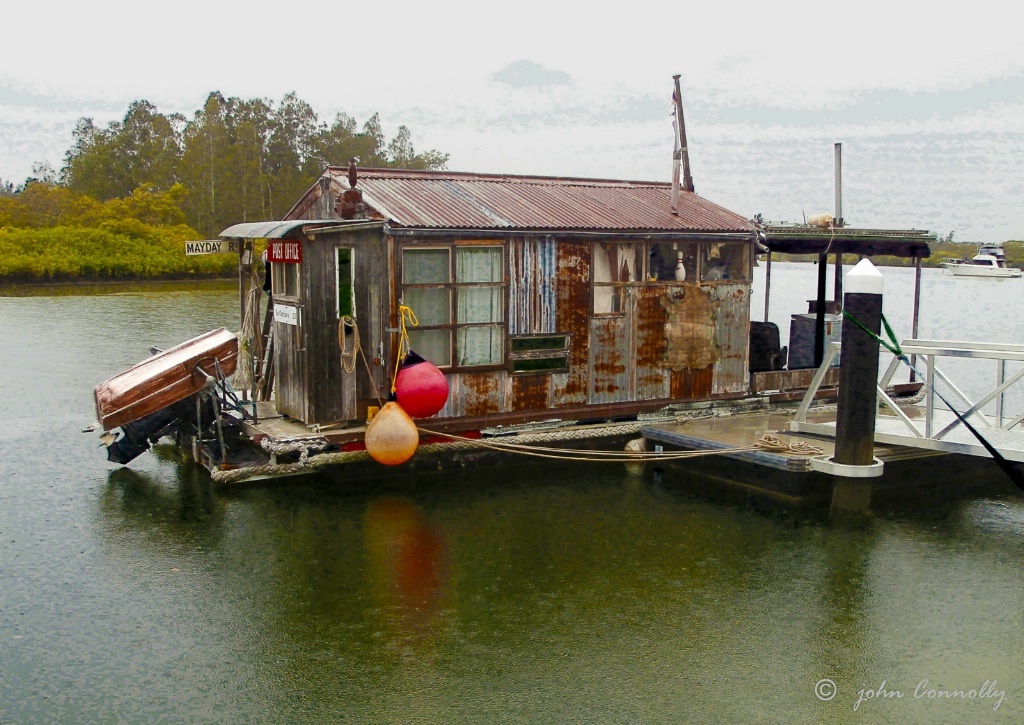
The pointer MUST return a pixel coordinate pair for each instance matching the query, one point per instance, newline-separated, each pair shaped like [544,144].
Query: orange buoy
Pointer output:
[391,437]
[420,387]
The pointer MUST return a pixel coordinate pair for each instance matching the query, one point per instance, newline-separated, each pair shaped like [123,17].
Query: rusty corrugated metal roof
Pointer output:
[451,200]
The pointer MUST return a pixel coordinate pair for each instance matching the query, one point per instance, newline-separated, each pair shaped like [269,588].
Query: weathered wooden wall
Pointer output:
[311,383]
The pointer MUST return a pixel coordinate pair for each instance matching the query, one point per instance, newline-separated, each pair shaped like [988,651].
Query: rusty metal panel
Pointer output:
[533,288]
[445,199]
[530,392]
[651,318]
[611,358]
[687,384]
[732,325]
[572,315]
[475,394]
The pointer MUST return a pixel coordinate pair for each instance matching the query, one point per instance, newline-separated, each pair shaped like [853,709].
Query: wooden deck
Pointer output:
[280,427]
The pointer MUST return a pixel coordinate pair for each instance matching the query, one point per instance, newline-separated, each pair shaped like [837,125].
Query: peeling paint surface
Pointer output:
[533,286]
[732,326]
[610,353]
[479,393]
[690,330]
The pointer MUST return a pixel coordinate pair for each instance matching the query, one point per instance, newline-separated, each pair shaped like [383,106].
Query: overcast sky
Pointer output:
[927,101]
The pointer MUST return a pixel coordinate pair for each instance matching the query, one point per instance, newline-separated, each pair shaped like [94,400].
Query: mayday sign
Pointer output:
[211,246]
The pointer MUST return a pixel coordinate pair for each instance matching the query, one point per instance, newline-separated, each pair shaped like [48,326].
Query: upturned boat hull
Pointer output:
[165,378]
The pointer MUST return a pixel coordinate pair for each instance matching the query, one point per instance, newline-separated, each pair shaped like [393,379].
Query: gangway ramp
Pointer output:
[934,426]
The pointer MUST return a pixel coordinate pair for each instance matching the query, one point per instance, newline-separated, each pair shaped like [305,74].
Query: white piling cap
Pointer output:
[864,278]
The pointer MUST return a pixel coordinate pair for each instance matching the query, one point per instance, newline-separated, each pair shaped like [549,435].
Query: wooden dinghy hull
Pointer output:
[165,378]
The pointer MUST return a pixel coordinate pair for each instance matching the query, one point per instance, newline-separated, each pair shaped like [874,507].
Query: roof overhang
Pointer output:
[291,229]
[865,242]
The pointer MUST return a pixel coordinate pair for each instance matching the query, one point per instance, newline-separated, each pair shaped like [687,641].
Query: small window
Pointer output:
[346,299]
[724,261]
[539,353]
[672,262]
[614,265]
[285,279]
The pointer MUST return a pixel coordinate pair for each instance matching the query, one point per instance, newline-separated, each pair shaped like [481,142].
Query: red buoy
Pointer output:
[421,388]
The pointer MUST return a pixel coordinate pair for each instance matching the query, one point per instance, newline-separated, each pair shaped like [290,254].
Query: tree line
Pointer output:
[130,194]
[236,159]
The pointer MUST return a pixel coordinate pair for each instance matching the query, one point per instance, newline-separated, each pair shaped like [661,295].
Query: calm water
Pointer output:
[519,594]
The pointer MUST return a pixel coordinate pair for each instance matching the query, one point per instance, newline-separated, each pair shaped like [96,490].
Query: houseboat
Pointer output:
[554,309]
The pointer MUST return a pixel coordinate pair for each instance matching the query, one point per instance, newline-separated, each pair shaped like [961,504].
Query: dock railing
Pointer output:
[953,395]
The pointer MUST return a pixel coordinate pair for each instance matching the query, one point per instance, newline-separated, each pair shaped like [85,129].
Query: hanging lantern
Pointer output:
[420,387]
[391,437]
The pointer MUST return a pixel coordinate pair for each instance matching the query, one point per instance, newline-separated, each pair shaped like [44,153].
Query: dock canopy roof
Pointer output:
[286,229]
[451,200]
[792,239]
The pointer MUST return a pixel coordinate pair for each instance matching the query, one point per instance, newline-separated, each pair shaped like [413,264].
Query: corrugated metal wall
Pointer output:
[672,342]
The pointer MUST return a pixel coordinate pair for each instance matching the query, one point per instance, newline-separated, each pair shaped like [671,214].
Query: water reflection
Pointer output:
[145,512]
[408,568]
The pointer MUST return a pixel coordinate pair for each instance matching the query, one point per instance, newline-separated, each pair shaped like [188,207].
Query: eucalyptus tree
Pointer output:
[207,164]
[112,162]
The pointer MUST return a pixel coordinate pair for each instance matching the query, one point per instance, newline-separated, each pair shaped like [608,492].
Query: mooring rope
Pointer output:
[307,461]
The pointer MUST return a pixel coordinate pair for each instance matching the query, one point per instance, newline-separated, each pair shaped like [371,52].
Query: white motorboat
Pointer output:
[990,261]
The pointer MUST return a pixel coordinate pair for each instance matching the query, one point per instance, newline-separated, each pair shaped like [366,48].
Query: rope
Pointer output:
[306,462]
[774,444]
[403,341]
[348,358]
[250,344]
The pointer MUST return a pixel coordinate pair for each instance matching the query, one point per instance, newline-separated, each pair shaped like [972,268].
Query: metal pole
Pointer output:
[241,285]
[838,221]
[767,284]
[858,374]
[819,319]
[837,292]
[917,314]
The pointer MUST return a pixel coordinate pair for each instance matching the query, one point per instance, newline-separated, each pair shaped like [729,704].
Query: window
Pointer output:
[614,265]
[460,306]
[724,261]
[285,278]
[704,261]
[346,298]
[663,262]
[539,353]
